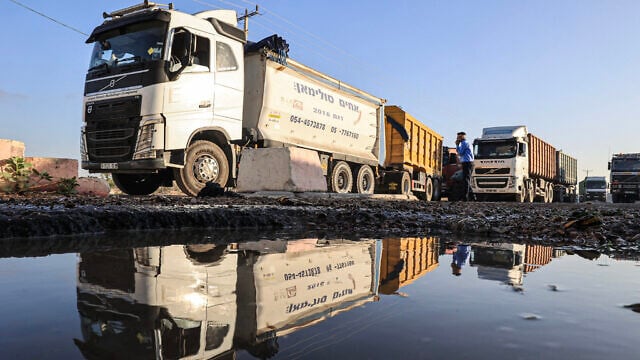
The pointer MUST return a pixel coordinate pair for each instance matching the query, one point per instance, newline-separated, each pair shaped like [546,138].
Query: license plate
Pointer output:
[109,166]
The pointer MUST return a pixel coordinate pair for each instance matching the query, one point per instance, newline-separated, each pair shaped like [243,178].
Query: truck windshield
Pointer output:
[495,149]
[625,165]
[129,44]
[596,185]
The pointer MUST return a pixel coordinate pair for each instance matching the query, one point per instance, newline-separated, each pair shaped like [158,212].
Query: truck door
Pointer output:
[229,86]
[188,101]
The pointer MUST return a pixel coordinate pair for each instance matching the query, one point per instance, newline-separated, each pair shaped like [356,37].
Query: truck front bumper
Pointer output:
[494,185]
[132,166]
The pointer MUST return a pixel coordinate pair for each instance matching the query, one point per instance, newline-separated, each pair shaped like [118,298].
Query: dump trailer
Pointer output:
[566,178]
[512,163]
[625,177]
[171,96]
[413,157]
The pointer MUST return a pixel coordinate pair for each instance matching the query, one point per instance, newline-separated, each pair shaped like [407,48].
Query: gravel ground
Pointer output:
[604,227]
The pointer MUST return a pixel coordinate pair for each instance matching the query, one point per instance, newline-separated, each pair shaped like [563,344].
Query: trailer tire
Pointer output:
[137,184]
[428,189]
[550,193]
[205,162]
[437,190]
[341,180]
[365,180]
[405,184]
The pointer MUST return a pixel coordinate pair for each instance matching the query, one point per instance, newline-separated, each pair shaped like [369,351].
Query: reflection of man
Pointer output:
[466,159]
[460,257]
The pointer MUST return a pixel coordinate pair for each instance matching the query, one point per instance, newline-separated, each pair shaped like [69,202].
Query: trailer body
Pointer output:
[413,156]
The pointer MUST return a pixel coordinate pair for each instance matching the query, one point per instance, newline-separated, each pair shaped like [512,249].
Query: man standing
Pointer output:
[466,158]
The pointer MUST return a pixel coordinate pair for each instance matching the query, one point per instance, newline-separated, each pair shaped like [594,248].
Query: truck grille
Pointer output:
[112,128]
[492,183]
[626,178]
[499,171]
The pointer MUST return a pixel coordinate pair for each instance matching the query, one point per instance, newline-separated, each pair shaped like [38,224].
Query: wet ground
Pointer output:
[607,228]
[223,295]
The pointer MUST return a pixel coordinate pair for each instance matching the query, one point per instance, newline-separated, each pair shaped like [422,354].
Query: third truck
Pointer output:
[512,163]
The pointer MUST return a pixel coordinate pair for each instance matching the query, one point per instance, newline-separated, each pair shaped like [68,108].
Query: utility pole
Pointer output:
[245,19]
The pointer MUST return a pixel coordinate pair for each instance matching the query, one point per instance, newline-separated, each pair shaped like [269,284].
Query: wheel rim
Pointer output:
[342,181]
[366,183]
[206,168]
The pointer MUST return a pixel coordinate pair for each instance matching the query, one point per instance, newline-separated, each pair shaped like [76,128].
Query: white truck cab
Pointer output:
[501,163]
[163,88]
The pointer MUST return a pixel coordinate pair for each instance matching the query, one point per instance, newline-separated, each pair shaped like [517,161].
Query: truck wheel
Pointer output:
[550,193]
[531,194]
[522,196]
[437,190]
[365,180]
[205,162]
[405,184]
[428,189]
[137,184]
[341,180]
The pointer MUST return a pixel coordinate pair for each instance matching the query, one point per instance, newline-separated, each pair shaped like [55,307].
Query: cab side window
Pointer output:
[201,54]
[225,60]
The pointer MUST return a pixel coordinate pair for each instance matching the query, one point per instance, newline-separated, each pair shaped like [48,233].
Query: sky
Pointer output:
[568,70]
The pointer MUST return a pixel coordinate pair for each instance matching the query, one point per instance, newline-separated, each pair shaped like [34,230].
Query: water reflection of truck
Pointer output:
[508,263]
[404,260]
[514,164]
[593,188]
[171,96]
[157,302]
[625,177]
[205,301]
[282,292]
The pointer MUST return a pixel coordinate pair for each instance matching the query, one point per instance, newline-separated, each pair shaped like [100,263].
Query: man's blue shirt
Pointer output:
[464,151]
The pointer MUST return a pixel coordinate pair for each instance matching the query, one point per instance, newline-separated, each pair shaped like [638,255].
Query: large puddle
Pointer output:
[392,298]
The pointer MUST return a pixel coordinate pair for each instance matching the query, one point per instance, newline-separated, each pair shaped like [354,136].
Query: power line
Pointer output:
[48,17]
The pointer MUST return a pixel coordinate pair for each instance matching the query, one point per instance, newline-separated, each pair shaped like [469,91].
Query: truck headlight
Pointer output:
[150,136]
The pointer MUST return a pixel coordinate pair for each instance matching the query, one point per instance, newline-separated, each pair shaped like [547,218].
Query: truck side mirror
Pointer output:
[609,165]
[522,149]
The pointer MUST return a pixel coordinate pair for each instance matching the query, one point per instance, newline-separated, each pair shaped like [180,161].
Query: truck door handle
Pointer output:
[204,104]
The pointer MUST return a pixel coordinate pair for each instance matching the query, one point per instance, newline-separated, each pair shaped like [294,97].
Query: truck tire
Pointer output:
[531,194]
[522,196]
[365,180]
[549,190]
[428,190]
[341,180]
[137,184]
[405,184]
[205,162]
[437,189]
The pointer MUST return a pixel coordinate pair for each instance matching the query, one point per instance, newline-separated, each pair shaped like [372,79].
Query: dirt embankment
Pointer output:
[603,226]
